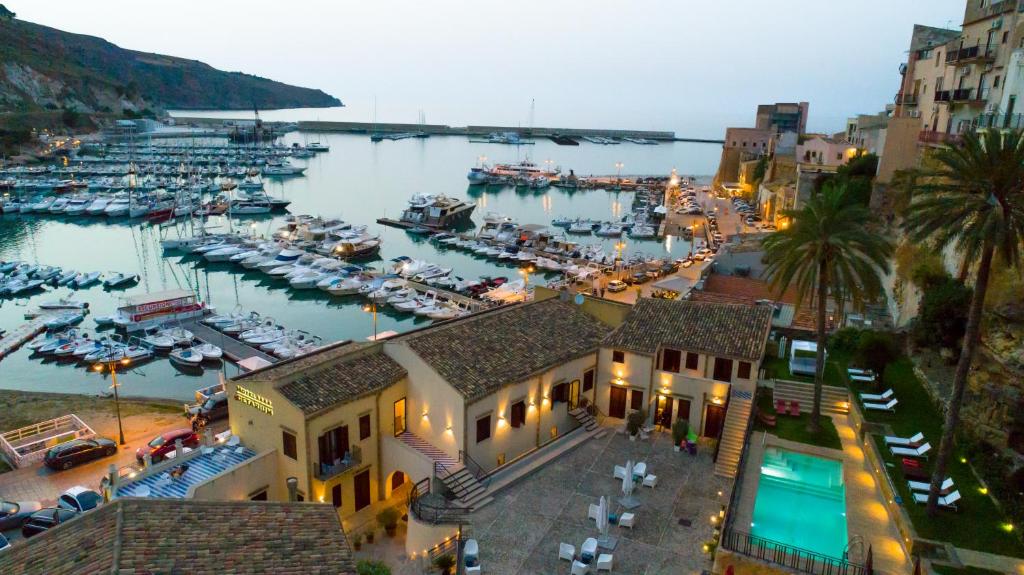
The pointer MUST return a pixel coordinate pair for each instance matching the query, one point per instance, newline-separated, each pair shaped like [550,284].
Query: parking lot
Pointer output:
[142,421]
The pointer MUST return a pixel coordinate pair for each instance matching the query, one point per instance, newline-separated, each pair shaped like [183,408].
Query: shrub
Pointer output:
[875,350]
[444,562]
[388,517]
[679,429]
[942,315]
[367,567]
[635,420]
[845,340]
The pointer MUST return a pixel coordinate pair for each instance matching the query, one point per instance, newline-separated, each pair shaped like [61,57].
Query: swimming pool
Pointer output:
[801,501]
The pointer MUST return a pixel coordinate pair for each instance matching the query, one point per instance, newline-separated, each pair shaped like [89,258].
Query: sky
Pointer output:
[693,67]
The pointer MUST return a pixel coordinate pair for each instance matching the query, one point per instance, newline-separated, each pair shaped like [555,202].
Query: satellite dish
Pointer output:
[578,299]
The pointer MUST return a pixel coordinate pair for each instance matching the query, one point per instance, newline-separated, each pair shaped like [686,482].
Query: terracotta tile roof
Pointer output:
[735,289]
[336,379]
[147,536]
[736,331]
[481,353]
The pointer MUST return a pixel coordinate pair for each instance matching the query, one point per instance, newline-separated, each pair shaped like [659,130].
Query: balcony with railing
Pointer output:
[906,99]
[969,54]
[969,96]
[352,458]
[943,95]
[937,138]
[999,121]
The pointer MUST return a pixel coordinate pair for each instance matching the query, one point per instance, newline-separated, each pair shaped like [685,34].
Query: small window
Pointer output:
[636,400]
[995,82]
[300,497]
[1006,36]
[518,414]
[744,370]
[588,380]
[289,447]
[483,428]
[364,426]
[723,369]
[559,394]
[336,495]
[618,356]
[671,360]
[692,360]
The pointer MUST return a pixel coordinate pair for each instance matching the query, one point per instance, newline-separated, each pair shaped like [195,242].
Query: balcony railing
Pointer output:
[943,95]
[351,459]
[966,54]
[1000,121]
[906,99]
[929,137]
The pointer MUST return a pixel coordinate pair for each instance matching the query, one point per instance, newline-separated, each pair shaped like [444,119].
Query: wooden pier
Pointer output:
[234,349]
[13,340]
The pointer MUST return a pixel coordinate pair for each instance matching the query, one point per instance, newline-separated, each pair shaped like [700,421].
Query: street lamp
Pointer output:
[618,256]
[525,272]
[111,365]
[618,172]
[372,308]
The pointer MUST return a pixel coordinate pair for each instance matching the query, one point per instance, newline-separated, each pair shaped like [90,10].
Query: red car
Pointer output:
[164,444]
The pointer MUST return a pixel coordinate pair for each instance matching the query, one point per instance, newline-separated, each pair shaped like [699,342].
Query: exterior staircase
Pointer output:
[587,421]
[730,446]
[461,476]
[834,400]
[426,448]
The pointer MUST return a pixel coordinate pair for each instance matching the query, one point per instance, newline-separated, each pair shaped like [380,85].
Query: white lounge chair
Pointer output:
[650,481]
[604,562]
[620,472]
[948,501]
[858,371]
[589,547]
[627,520]
[862,378]
[594,512]
[915,439]
[579,568]
[908,452]
[925,487]
[566,551]
[891,406]
[640,469]
[885,396]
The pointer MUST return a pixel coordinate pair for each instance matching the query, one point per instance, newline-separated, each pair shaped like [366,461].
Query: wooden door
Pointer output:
[714,418]
[666,412]
[683,409]
[617,402]
[574,394]
[362,488]
[400,416]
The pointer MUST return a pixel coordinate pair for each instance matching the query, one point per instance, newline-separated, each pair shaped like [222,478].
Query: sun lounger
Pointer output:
[925,486]
[862,378]
[891,406]
[627,520]
[604,562]
[948,501]
[912,441]
[920,451]
[794,408]
[767,420]
[884,396]
[858,371]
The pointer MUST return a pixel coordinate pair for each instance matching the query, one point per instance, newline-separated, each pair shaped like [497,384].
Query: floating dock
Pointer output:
[16,338]
[233,349]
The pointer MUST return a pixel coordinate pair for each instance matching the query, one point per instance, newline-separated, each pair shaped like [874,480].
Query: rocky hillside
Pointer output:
[43,68]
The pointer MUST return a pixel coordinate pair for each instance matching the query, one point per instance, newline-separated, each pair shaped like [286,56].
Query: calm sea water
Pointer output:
[358,181]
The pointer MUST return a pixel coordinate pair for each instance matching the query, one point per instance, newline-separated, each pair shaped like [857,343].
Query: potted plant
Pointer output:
[357,541]
[371,531]
[367,567]
[634,421]
[679,429]
[445,563]
[389,519]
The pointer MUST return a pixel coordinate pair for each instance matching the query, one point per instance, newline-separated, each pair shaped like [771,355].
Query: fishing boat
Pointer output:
[581,227]
[66,277]
[85,280]
[186,357]
[63,303]
[148,310]
[209,351]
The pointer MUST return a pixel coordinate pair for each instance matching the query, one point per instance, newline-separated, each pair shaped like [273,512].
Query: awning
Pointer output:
[253,363]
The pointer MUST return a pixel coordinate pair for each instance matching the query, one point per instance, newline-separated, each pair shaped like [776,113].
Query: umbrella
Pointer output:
[627,481]
[869,568]
[602,516]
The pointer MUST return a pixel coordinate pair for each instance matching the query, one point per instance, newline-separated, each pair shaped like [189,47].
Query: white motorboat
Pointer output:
[609,230]
[187,357]
[118,206]
[44,204]
[284,257]
[139,208]
[386,290]
[103,320]
[446,311]
[642,231]
[59,205]
[63,303]
[66,277]
[209,351]
[117,279]
[225,253]
[180,336]
[77,206]
[581,227]
[98,206]
[85,280]
[404,294]
[345,286]
[157,340]
[266,337]
[46,273]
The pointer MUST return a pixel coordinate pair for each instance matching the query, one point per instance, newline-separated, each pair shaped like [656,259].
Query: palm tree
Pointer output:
[972,201]
[827,249]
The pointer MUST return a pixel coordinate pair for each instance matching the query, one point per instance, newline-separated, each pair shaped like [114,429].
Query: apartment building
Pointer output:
[772,123]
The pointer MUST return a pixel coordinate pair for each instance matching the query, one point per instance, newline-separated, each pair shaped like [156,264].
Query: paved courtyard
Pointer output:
[520,532]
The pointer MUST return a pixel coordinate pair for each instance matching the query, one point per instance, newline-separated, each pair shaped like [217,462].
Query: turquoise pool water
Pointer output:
[801,501]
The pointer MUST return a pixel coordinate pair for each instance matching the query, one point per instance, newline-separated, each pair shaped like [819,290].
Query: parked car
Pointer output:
[13,514]
[79,498]
[640,277]
[214,408]
[45,519]
[615,286]
[163,444]
[686,263]
[78,451]
[4,543]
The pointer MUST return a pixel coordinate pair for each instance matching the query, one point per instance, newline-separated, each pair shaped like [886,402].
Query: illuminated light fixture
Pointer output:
[719,493]
[448,429]
[619,381]
[321,499]
[717,400]
[963,460]
[1008,527]
[425,415]
[705,548]
[983,490]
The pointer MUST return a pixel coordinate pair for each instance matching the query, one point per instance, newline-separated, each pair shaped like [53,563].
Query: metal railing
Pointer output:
[787,555]
[474,468]
[1000,121]
[929,137]
[433,513]
[721,430]
[906,99]
[353,457]
[978,52]
[943,95]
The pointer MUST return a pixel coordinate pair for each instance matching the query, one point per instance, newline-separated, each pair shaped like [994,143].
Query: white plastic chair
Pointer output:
[566,551]
[627,520]
[604,562]
[620,472]
[594,512]
[640,469]
[650,481]
[235,440]
[471,556]
[579,568]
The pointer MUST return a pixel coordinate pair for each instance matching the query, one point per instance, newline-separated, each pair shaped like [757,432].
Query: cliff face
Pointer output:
[43,68]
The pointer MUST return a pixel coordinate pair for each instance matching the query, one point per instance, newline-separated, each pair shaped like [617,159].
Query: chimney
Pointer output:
[293,488]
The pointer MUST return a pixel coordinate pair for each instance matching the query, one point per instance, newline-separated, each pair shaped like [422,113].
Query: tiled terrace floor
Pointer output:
[520,532]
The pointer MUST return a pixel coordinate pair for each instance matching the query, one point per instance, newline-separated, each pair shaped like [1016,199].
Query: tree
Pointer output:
[827,249]
[974,202]
[875,350]
[942,313]
[6,14]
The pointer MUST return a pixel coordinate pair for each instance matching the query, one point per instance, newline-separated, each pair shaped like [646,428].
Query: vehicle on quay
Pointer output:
[46,519]
[163,444]
[77,451]
[79,498]
[14,513]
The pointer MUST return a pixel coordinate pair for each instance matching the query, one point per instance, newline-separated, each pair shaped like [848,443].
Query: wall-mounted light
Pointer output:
[448,429]
[425,415]
[619,381]
[717,400]
[665,391]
